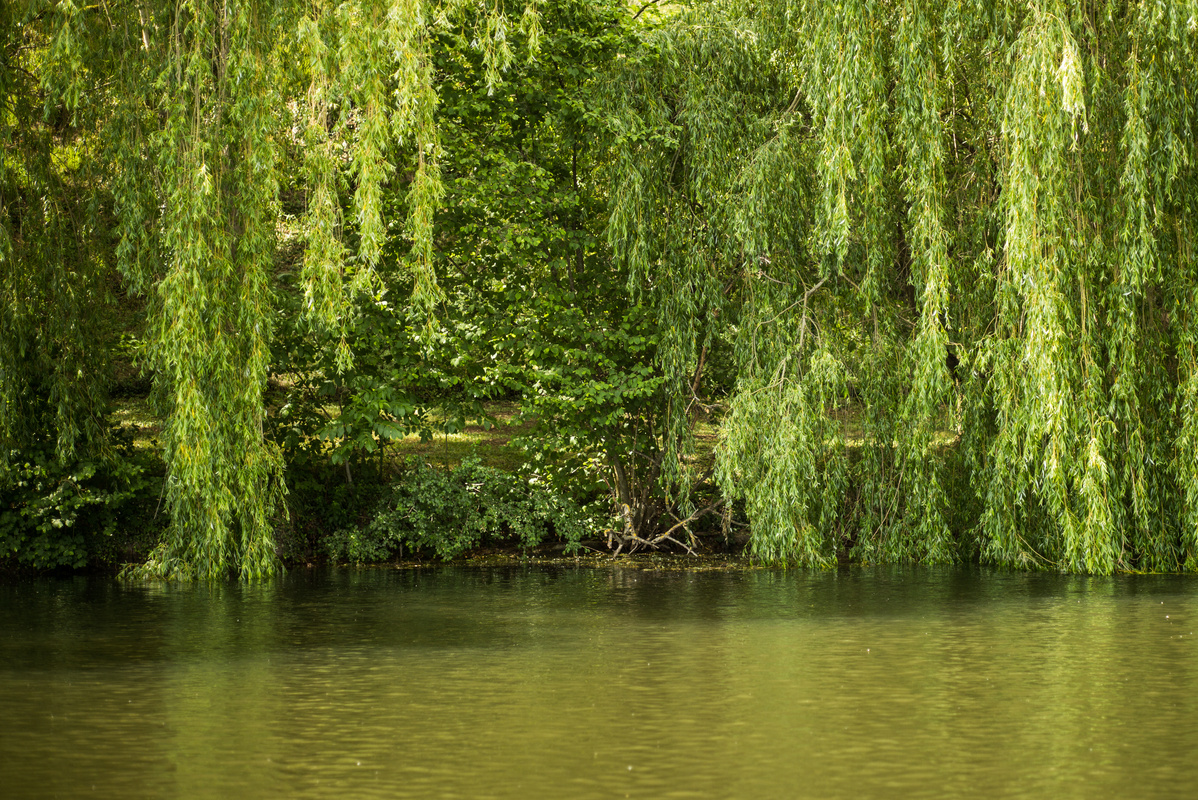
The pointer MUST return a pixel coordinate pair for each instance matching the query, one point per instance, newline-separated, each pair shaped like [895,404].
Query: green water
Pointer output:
[564,683]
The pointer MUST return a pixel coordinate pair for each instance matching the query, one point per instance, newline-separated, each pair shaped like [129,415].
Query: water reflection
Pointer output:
[560,682]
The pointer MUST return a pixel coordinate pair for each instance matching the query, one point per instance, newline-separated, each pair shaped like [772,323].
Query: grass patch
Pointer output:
[134,417]
[488,439]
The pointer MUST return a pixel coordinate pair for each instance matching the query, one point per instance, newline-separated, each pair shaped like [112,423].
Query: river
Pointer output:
[560,682]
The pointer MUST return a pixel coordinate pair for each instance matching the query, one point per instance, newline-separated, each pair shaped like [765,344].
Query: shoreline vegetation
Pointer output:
[901,281]
[305,540]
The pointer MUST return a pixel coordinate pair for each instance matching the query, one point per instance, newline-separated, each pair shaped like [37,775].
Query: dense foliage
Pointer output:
[972,222]
[450,512]
[930,264]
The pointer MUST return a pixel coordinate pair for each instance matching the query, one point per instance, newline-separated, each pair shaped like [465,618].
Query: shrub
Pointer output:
[447,512]
[56,514]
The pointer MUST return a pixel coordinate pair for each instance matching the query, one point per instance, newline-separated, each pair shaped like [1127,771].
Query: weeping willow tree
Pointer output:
[52,270]
[166,130]
[953,243]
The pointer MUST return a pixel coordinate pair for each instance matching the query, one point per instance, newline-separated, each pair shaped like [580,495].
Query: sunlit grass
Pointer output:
[490,439]
[134,416]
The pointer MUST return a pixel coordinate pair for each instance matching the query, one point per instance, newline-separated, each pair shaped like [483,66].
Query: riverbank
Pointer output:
[480,489]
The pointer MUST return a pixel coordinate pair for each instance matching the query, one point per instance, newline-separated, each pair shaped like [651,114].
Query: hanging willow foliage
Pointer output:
[952,244]
[174,123]
[52,271]
[958,239]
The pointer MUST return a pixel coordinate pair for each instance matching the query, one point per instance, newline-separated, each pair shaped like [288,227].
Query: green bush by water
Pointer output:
[56,513]
[447,512]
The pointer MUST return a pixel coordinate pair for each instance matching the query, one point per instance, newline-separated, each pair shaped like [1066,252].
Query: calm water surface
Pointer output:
[581,683]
